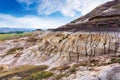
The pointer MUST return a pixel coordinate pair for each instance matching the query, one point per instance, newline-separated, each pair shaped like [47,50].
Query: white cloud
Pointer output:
[29,22]
[88,5]
[65,7]
[49,6]
[46,7]
[27,3]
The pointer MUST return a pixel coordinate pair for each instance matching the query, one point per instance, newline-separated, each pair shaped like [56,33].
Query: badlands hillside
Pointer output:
[85,49]
[105,17]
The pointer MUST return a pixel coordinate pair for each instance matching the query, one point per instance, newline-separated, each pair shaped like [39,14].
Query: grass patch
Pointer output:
[66,74]
[14,35]
[39,75]
[22,71]
[115,60]
[6,36]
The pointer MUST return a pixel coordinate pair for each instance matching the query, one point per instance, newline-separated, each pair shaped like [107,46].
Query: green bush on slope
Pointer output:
[39,75]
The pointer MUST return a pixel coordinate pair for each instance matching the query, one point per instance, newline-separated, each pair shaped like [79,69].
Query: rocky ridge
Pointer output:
[58,48]
[105,17]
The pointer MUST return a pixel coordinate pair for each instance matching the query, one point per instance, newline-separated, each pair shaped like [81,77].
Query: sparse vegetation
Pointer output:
[115,60]
[39,75]
[13,35]
[22,71]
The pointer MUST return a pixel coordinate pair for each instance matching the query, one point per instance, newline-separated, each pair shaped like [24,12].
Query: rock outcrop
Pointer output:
[110,72]
[58,48]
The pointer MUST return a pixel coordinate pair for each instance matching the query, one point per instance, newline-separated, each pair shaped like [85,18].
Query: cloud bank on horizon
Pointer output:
[65,10]
[28,22]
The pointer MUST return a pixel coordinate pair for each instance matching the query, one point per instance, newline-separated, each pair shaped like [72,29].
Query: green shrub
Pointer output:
[115,60]
[39,75]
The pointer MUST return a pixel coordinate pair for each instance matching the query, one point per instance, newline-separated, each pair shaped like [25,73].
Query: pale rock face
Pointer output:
[110,72]
[109,10]
[57,48]
[87,78]
[83,21]
[64,48]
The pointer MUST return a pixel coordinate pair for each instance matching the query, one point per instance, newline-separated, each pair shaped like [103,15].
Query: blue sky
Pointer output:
[43,13]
